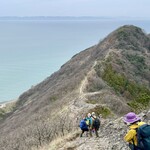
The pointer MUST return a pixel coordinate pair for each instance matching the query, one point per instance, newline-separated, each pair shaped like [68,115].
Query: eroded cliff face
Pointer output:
[110,78]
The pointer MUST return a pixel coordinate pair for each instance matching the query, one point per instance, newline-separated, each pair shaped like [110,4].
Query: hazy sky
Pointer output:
[132,8]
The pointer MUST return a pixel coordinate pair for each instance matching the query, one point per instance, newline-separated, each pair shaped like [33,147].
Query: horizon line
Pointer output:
[20,18]
[77,16]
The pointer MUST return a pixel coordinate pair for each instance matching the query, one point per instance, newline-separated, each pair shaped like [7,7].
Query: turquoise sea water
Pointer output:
[30,51]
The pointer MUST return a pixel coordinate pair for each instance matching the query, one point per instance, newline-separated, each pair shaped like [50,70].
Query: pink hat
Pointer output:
[131,117]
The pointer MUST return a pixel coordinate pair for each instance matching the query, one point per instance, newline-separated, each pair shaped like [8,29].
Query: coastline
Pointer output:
[4,104]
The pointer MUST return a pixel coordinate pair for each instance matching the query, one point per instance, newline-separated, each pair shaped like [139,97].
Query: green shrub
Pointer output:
[53,98]
[2,112]
[142,102]
[136,107]
[138,94]
[115,80]
[138,61]
[122,35]
[104,111]
[91,101]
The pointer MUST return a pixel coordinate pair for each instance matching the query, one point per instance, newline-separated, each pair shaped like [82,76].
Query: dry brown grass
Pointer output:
[61,141]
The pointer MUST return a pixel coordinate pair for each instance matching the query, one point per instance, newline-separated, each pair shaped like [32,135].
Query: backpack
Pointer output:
[143,137]
[83,125]
[88,121]
[96,123]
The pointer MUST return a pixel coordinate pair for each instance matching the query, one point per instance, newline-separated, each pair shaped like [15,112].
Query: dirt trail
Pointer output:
[91,143]
[111,135]
[85,83]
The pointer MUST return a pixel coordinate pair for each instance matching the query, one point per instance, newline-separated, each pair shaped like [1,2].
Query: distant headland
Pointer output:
[68,18]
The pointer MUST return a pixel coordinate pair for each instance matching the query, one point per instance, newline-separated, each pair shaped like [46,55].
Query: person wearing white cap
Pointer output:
[93,113]
[95,123]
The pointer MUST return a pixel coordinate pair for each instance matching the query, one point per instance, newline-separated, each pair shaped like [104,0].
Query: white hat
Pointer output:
[93,113]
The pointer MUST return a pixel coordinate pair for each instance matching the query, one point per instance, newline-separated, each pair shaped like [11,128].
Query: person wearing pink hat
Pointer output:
[89,123]
[134,122]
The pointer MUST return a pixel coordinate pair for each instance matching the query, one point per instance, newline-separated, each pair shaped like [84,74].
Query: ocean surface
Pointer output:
[32,50]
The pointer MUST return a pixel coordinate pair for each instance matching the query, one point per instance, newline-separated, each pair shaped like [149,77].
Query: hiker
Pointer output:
[138,135]
[89,120]
[83,126]
[95,124]
[93,113]
[100,116]
[89,123]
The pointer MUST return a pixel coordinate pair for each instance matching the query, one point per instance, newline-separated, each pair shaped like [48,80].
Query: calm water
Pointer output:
[30,51]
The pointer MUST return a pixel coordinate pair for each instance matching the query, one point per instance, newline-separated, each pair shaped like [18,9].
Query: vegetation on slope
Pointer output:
[138,95]
[131,37]
[2,113]
[8,108]
[102,110]
[139,62]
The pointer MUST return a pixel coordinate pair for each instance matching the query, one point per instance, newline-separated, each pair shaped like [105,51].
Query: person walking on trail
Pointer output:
[138,135]
[83,126]
[89,123]
[95,124]
[93,114]
[89,120]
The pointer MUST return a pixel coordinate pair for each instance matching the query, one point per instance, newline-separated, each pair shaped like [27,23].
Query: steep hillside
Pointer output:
[110,78]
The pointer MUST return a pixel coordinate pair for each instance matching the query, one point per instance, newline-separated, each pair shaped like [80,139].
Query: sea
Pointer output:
[31,50]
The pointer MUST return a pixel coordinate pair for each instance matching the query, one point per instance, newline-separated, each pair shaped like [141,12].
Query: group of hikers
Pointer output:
[138,134]
[90,123]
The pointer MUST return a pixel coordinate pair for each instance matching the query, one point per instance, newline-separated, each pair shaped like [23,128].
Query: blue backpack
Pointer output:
[83,125]
[143,137]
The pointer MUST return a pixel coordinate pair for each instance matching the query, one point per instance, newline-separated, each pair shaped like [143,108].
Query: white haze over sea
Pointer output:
[32,50]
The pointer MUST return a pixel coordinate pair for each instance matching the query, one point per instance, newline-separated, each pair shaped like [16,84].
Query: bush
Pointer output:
[91,101]
[104,111]
[138,61]
[138,94]
[2,113]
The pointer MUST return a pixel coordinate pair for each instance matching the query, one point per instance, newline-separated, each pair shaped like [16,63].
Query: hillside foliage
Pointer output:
[137,95]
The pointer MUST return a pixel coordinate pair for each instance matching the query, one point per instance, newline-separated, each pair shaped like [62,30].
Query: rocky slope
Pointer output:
[110,78]
[110,137]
